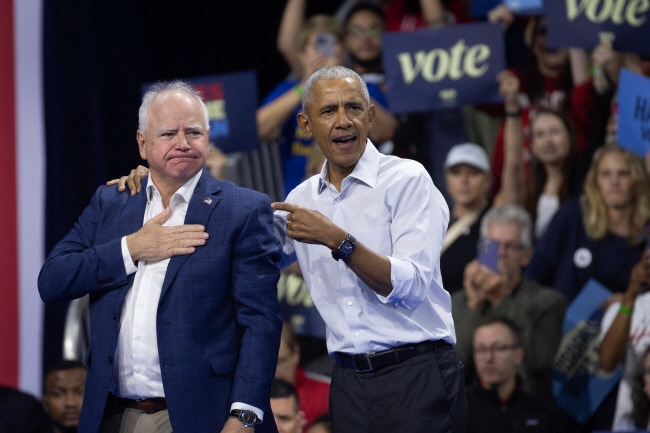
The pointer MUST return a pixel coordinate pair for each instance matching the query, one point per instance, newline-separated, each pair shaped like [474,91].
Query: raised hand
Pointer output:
[156,242]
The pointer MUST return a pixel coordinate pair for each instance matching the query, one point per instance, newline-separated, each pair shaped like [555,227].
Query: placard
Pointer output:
[231,100]
[584,23]
[633,131]
[578,384]
[440,68]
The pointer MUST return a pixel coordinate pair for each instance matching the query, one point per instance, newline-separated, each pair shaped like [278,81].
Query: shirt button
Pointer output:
[137,338]
[137,370]
[141,306]
[356,334]
[349,302]
[338,198]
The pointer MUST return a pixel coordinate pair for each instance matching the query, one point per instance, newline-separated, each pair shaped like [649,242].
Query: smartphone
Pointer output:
[487,252]
[326,43]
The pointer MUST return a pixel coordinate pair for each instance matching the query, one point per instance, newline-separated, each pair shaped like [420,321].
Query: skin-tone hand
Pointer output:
[502,15]
[132,180]
[639,281]
[482,285]
[509,89]
[156,242]
[233,425]
[310,226]
[312,60]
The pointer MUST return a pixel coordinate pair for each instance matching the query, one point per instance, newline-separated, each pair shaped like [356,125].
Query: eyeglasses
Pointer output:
[370,31]
[496,349]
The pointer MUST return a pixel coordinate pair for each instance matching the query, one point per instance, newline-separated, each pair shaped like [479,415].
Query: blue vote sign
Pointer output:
[440,68]
[633,131]
[578,384]
[584,23]
[480,8]
[231,100]
[525,7]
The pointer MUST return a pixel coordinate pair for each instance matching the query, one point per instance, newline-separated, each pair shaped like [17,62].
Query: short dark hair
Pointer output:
[283,389]
[501,320]
[364,6]
[64,364]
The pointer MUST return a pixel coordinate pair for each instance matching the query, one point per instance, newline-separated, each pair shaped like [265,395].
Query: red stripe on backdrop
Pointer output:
[8,227]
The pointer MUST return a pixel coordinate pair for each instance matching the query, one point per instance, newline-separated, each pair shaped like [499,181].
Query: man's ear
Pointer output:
[371,116]
[140,138]
[305,124]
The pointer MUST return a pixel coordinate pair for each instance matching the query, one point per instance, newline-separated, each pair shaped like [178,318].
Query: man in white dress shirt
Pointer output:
[367,234]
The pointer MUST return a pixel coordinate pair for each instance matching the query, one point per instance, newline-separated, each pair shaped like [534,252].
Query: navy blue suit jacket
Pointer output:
[218,320]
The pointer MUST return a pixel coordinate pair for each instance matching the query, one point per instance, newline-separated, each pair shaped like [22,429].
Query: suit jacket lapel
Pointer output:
[204,201]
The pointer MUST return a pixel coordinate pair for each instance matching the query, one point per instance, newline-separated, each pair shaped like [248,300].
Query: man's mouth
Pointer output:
[345,139]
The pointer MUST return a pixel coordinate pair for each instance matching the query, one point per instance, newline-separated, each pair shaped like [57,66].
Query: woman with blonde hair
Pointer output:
[597,236]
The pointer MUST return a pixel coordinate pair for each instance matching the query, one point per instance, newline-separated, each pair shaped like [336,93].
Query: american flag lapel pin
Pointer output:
[207,201]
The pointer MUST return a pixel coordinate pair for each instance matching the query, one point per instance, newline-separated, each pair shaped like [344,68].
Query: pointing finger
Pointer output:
[288,207]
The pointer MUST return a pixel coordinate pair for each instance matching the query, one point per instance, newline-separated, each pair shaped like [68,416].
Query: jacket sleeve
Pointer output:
[82,263]
[255,275]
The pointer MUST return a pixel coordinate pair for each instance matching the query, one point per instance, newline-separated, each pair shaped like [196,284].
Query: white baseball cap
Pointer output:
[470,154]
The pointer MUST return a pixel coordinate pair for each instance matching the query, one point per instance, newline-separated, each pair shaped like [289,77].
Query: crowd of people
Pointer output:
[385,219]
[542,174]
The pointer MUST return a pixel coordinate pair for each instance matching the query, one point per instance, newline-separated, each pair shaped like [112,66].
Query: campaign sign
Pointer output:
[525,7]
[579,385]
[440,68]
[584,23]
[298,308]
[231,100]
[480,8]
[633,130]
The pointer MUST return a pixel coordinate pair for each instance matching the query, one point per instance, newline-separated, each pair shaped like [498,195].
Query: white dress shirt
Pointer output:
[137,367]
[391,206]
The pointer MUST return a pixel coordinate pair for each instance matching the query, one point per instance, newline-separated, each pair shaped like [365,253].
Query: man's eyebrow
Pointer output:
[329,107]
[166,130]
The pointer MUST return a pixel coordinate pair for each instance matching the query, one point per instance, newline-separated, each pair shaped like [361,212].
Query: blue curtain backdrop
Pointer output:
[97,54]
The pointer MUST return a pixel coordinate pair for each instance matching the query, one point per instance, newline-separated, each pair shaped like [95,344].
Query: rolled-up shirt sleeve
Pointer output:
[419,222]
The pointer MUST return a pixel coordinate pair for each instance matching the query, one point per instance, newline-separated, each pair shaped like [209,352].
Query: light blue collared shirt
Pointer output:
[391,206]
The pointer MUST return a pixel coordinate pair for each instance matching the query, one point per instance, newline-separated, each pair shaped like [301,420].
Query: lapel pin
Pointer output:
[207,201]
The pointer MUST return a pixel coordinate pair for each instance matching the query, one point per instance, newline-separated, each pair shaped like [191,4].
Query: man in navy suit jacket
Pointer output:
[185,322]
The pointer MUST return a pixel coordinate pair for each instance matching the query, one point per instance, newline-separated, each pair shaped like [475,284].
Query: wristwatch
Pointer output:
[345,249]
[248,417]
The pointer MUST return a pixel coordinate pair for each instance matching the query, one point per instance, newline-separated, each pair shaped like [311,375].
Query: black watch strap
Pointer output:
[248,417]
[345,249]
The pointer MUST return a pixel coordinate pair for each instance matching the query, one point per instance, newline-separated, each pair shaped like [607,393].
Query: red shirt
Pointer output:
[313,394]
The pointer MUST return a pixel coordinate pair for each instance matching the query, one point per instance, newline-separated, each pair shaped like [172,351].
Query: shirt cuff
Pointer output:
[129,266]
[402,275]
[244,406]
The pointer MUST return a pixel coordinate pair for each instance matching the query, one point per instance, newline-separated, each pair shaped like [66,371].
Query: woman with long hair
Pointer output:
[597,236]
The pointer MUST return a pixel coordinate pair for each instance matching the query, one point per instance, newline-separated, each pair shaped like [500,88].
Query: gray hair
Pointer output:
[330,73]
[168,86]
[509,214]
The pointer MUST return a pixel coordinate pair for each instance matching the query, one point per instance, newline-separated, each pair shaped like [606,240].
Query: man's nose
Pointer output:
[183,142]
[342,120]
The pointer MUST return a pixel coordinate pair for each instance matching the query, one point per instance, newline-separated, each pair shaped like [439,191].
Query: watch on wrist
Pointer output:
[248,417]
[345,249]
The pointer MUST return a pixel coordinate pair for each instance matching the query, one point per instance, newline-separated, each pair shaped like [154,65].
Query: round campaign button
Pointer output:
[582,257]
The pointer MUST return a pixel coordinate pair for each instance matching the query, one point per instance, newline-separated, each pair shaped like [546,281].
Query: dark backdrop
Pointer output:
[96,56]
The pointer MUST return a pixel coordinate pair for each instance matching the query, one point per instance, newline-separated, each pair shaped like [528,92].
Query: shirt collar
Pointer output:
[366,170]
[184,193]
